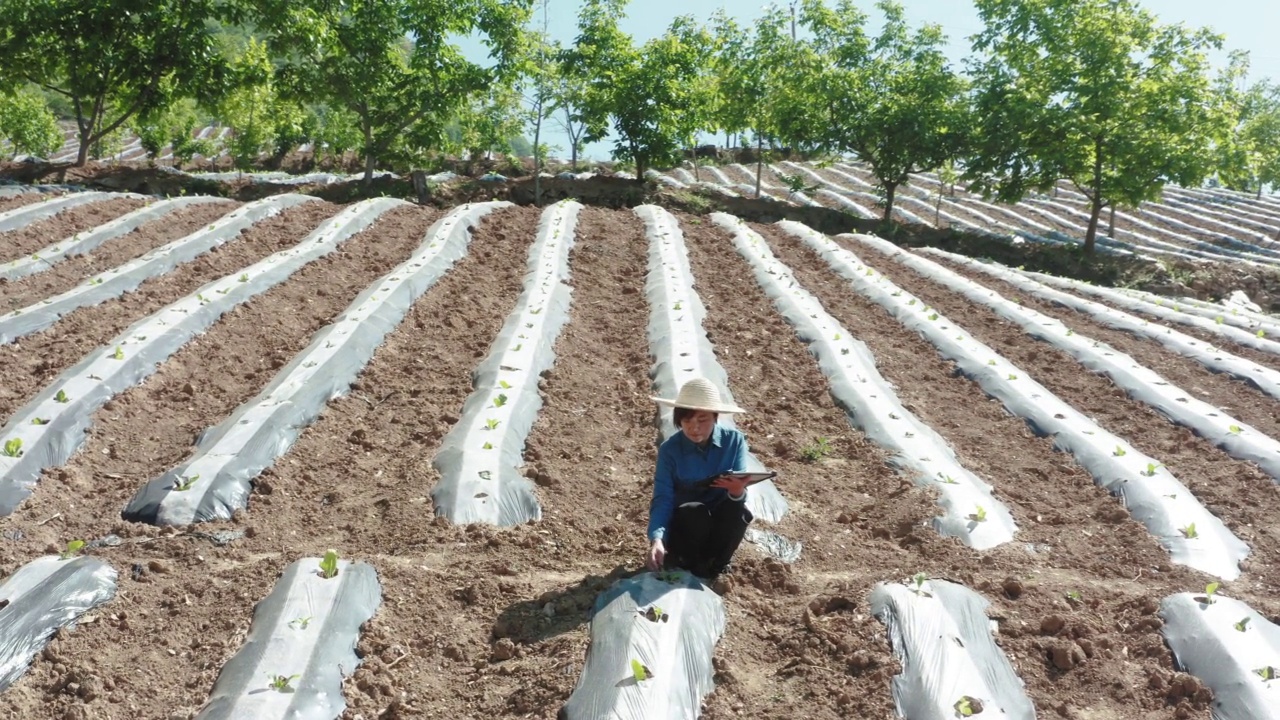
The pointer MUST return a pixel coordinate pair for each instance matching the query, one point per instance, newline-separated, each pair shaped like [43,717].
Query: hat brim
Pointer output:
[721,408]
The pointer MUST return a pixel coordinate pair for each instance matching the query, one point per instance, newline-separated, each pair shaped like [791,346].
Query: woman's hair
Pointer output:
[679,414]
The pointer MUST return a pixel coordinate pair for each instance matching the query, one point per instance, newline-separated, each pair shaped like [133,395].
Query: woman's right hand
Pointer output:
[657,553]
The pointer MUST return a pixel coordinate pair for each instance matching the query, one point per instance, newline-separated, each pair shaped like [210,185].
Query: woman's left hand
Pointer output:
[735,485]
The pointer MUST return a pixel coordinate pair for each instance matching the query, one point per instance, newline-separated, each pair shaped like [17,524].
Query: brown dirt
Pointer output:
[113,253]
[28,364]
[16,201]
[35,236]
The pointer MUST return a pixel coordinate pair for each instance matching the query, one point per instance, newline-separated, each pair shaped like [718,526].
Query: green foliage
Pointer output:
[640,671]
[1094,91]
[73,547]
[253,109]
[280,683]
[13,448]
[329,564]
[112,59]
[28,124]
[1248,149]
[815,451]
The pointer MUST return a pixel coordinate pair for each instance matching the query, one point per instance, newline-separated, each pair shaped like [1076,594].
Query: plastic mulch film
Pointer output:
[970,511]
[300,646]
[124,278]
[1231,648]
[942,636]
[479,460]
[1237,439]
[84,242]
[1151,493]
[230,455]
[51,428]
[652,640]
[680,346]
[42,596]
[45,209]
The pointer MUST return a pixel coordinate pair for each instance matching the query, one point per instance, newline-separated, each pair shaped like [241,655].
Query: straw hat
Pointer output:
[699,394]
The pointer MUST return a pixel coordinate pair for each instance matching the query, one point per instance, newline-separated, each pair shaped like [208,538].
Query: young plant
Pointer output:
[1235,430]
[1012,376]
[500,400]
[1075,596]
[185,482]
[73,547]
[947,479]
[919,580]
[655,614]
[1209,591]
[1267,673]
[517,347]
[1242,625]
[491,423]
[980,515]
[992,363]
[329,565]
[244,278]
[640,671]
[13,448]
[1119,452]
[968,706]
[676,306]
[817,450]
[504,384]
[280,683]
[488,446]
[118,354]
[61,397]
[1151,470]
[1262,333]
[1189,532]
[933,316]
[39,421]
[300,623]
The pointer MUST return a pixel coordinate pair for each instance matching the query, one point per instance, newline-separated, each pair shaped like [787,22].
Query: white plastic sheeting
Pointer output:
[680,346]
[1230,647]
[1152,494]
[1141,383]
[230,455]
[306,630]
[42,596]
[136,354]
[479,460]
[124,278]
[941,635]
[676,650]
[970,512]
[84,242]
[45,209]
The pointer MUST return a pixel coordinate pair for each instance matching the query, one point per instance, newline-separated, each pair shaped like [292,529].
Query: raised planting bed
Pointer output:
[216,480]
[970,512]
[85,242]
[1192,535]
[479,460]
[51,427]
[43,596]
[301,645]
[127,277]
[652,639]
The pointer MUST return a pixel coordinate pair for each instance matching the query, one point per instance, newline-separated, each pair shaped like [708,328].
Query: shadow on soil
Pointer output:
[556,611]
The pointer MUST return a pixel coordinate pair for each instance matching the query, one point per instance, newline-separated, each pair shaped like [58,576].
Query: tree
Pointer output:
[28,124]
[1248,150]
[1093,91]
[251,108]
[540,70]
[112,59]
[392,64]
[891,100]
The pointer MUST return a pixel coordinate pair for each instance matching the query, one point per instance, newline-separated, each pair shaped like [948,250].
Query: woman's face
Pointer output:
[698,426]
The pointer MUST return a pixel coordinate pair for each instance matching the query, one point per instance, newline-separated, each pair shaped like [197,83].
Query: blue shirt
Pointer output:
[682,464]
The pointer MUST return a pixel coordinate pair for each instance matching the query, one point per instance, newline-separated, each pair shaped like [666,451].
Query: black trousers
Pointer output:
[702,538]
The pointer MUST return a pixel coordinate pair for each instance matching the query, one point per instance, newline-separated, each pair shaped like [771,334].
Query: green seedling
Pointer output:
[280,683]
[1209,591]
[1189,532]
[504,384]
[517,347]
[676,306]
[1235,429]
[39,421]
[1218,319]
[1119,452]
[62,397]
[1075,596]
[640,671]
[980,515]
[224,292]
[13,448]
[1242,625]
[947,479]
[500,400]
[1012,376]
[820,448]
[992,363]
[837,336]
[655,614]
[1267,673]
[491,423]
[933,316]
[919,580]
[1070,332]
[1262,333]
[897,294]
[118,354]
[300,623]
[488,446]
[185,482]
[912,301]
[329,565]
[96,281]
[1151,469]
[73,547]
[535,311]
[243,278]
[967,706]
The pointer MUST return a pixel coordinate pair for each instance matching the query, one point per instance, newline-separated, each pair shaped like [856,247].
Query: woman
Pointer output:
[694,525]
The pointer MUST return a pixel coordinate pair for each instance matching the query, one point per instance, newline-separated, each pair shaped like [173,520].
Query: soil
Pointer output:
[13,202]
[39,235]
[485,622]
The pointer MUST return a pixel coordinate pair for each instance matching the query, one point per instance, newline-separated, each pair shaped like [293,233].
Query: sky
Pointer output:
[1250,25]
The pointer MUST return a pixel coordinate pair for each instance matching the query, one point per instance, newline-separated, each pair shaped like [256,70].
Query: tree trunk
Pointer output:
[1091,235]
[368,154]
[1111,229]
[937,209]
[1259,191]
[693,150]
[759,162]
[537,160]
[890,192]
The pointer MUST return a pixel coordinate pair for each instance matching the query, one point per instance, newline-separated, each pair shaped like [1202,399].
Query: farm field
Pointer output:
[483,621]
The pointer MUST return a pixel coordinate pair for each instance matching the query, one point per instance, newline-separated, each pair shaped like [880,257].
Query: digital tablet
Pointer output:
[752,477]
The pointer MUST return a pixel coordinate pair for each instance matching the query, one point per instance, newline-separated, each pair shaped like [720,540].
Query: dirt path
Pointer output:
[113,253]
[37,235]
[29,364]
